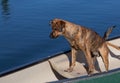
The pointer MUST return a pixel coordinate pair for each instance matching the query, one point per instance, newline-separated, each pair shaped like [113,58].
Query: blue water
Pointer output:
[24,26]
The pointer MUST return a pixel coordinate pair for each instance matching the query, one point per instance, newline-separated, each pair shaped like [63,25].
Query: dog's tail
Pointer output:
[106,34]
[108,31]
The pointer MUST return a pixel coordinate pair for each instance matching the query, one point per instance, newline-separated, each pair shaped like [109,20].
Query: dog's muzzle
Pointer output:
[52,36]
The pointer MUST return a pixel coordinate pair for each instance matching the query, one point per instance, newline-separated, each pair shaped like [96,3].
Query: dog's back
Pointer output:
[92,39]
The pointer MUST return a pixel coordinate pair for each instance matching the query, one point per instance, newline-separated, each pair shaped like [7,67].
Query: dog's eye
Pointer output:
[55,29]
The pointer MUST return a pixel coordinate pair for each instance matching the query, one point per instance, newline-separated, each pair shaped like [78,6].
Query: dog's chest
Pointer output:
[74,45]
[75,39]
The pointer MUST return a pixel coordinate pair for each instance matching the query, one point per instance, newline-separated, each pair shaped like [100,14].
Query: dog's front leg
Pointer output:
[72,61]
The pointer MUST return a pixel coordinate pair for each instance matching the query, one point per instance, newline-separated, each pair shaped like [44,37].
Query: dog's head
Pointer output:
[57,27]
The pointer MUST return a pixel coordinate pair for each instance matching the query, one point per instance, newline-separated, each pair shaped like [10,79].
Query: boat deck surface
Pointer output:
[45,71]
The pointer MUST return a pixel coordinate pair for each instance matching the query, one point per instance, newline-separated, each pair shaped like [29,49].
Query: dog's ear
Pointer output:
[62,25]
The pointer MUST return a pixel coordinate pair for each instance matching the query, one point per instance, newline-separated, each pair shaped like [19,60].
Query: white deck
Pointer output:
[61,63]
[42,72]
[39,73]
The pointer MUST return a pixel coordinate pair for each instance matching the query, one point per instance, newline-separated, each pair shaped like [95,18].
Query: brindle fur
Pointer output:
[81,38]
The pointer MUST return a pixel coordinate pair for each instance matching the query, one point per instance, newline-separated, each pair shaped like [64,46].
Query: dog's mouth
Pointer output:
[52,36]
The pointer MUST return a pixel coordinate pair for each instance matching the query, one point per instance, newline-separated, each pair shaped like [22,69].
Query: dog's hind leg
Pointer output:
[114,46]
[104,54]
[89,61]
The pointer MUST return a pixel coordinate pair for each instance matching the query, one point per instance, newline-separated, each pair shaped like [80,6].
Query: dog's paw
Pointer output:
[93,72]
[90,73]
[69,70]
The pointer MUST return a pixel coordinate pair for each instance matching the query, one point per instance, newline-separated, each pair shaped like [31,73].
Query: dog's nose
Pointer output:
[51,35]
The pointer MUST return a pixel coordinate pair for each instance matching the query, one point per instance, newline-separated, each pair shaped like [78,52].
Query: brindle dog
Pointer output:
[82,38]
